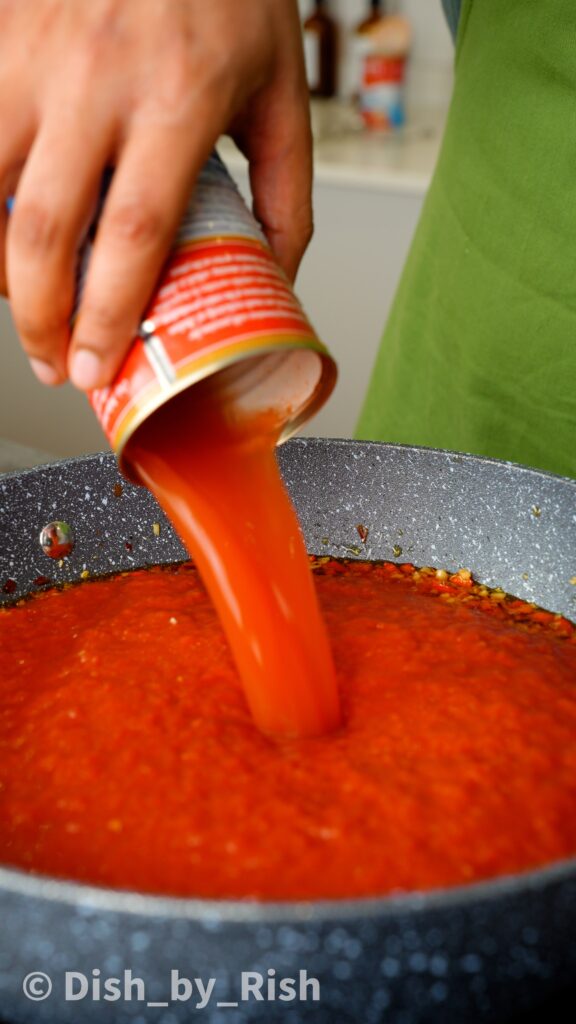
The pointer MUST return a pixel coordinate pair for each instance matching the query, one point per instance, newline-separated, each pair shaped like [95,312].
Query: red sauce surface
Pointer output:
[128,756]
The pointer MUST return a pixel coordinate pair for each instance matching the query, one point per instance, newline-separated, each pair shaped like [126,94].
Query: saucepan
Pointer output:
[484,951]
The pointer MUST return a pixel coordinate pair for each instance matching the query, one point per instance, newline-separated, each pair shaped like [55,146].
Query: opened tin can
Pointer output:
[222,305]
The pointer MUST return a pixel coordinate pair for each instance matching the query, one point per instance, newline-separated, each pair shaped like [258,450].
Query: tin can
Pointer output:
[222,306]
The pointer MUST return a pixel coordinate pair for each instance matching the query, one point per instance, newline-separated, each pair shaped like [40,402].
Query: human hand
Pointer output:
[146,86]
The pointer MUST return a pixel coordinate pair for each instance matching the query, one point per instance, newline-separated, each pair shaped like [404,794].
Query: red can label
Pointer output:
[221,298]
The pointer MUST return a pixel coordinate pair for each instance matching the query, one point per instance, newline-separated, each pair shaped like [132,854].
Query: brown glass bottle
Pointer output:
[361,34]
[320,40]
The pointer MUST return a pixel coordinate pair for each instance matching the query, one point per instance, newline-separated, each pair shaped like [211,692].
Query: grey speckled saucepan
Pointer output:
[482,952]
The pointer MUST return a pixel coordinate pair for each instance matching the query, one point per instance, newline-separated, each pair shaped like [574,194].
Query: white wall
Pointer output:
[347,282]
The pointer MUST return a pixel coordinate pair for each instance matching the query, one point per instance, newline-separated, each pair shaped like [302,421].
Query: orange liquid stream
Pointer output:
[216,477]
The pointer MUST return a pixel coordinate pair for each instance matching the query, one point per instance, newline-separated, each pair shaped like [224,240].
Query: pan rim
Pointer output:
[291,442]
[79,895]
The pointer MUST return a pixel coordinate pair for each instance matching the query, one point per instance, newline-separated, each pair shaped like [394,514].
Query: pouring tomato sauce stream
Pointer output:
[213,470]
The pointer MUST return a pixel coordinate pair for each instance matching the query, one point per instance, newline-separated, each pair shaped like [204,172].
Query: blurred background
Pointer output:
[370,182]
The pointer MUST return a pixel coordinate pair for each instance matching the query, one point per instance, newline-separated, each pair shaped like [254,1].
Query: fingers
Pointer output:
[54,200]
[3,219]
[275,135]
[282,203]
[16,141]
[149,192]
[8,187]
[280,156]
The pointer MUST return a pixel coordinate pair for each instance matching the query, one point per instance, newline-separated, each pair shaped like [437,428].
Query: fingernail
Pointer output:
[86,369]
[45,373]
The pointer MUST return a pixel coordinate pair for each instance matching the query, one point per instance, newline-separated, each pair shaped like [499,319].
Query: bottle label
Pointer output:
[382,91]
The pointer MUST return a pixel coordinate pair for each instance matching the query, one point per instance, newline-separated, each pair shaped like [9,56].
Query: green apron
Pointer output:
[479,354]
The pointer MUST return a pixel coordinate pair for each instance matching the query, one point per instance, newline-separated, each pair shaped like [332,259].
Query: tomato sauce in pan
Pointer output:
[129,758]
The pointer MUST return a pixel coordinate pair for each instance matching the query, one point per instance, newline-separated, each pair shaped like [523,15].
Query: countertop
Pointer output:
[346,155]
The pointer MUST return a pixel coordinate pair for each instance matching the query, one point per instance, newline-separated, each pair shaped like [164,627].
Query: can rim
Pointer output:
[317,398]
